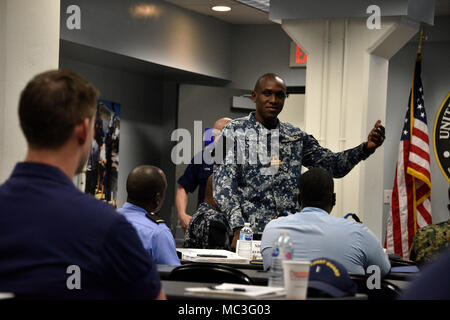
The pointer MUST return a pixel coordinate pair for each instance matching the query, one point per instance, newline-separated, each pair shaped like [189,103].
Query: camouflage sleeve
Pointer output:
[338,164]
[225,181]
[429,242]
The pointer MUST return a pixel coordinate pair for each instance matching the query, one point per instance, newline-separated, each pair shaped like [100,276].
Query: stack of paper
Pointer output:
[233,289]
[211,255]
[256,249]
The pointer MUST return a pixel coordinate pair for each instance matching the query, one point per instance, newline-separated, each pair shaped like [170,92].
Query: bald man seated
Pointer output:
[146,188]
[315,233]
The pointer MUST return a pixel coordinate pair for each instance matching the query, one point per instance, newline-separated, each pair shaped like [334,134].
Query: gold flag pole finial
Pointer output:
[422,37]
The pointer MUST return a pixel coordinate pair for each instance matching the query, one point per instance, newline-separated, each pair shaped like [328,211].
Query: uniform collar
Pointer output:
[41,170]
[258,124]
[132,207]
[281,126]
[313,210]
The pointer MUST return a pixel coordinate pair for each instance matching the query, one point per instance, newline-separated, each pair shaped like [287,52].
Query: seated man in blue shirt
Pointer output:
[314,233]
[55,241]
[146,188]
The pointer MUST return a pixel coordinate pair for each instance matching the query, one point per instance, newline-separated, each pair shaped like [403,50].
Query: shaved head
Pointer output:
[145,184]
[219,125]
[267,76]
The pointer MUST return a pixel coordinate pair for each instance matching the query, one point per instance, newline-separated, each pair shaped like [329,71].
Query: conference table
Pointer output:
[176,289]
[261,277]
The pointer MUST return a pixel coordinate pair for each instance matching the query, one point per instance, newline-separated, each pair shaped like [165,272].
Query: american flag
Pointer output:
[411,203]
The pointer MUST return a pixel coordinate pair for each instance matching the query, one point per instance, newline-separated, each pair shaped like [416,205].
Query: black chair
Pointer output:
[209,272]
[387,291]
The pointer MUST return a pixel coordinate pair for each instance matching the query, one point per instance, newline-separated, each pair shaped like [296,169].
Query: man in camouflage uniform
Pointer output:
[430,241]
[208,228]
[257,191]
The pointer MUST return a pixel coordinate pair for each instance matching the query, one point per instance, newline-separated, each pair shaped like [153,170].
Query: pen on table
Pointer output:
[211,256]
[231,289]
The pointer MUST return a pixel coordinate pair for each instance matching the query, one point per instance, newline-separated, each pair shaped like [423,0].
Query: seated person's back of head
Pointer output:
[315,233]
[146,188]
[57,242]
[209,228]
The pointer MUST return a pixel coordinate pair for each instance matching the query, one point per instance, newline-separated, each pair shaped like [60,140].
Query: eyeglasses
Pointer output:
[279,94]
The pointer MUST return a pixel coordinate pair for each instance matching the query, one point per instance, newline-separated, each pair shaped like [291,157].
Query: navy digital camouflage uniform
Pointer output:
[429,242]
[247,193]
[208,229]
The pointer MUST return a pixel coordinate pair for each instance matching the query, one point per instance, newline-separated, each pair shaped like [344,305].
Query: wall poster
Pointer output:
[100,175]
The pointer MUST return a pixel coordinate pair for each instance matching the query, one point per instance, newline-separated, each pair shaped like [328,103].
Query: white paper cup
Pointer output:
[296,275]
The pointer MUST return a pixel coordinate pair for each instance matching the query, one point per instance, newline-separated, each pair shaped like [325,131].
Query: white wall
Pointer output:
[294,110]
[436,83]
[29,44]
[173,37]
[3,167]
[345,86]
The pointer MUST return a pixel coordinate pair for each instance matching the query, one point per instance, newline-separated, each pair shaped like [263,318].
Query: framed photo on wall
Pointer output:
[100,174]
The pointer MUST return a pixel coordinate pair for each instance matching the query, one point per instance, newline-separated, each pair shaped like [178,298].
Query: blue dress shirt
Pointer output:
[156,238]
[315,234]
[198,174]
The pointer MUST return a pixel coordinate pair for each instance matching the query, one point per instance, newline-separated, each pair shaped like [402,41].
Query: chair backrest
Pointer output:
[208,272]
[387,291]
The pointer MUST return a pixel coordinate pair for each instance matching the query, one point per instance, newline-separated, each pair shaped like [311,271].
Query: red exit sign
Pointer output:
[298,57]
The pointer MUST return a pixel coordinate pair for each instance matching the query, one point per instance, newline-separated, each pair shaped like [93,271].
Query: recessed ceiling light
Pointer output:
[221,8]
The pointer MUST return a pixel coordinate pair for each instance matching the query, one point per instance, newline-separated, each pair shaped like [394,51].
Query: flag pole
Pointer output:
[422,37]
[418,58]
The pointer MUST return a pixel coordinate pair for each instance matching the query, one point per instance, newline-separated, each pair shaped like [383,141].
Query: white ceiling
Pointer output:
[255,11]
[239,14]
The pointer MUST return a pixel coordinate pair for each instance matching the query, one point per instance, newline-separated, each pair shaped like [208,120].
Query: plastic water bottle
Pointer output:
[282,249]
[245,241]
